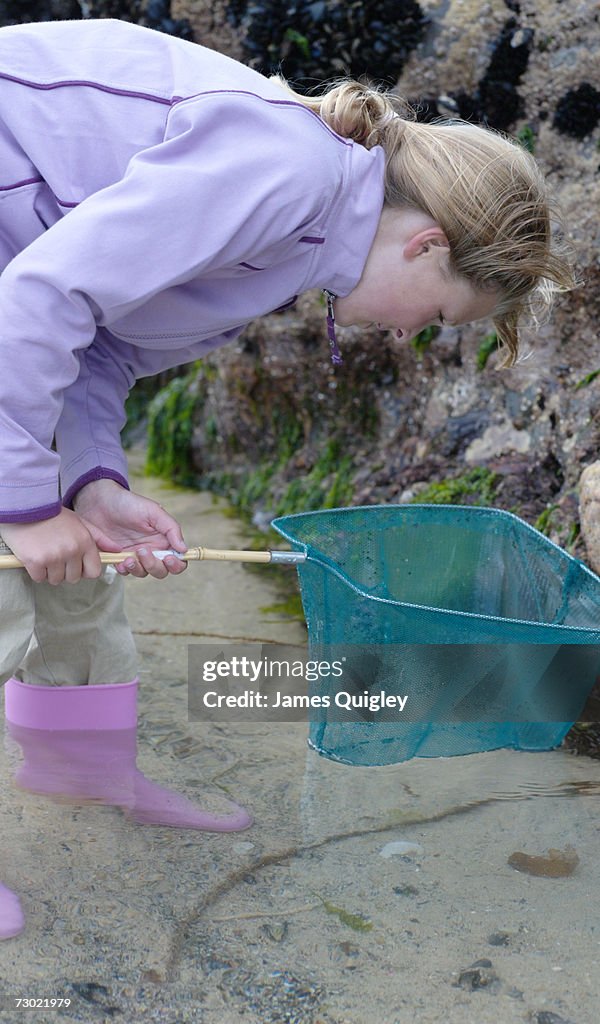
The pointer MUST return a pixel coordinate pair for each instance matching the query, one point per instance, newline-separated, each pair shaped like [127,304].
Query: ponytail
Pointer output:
[356,111]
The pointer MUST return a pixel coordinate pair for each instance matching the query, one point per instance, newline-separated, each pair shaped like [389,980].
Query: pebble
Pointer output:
[153,977]
[406,890]
[400,849]
[479,975]
[547,1017]
[522,37]
[347,955]
[447,103]
[554,864]
[349,948]
[276,930]
[96,995]
[242,848]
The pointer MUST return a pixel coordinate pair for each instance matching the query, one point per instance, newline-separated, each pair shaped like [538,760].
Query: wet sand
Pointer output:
[300,919]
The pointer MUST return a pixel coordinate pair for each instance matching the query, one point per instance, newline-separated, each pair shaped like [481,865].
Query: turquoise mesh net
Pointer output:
[491,629]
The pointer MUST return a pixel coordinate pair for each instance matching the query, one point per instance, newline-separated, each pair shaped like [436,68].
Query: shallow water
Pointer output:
[301,919]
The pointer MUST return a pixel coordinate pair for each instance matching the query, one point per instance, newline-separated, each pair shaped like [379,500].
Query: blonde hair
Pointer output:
[484,190]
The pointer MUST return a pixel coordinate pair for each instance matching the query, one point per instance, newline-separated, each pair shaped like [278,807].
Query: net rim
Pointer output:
[315,556]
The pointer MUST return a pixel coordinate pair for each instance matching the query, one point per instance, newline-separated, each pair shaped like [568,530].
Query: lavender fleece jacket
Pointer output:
[155,196]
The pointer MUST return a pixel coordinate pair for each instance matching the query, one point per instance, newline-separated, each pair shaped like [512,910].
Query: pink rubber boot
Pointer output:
[11,916]
[80,742]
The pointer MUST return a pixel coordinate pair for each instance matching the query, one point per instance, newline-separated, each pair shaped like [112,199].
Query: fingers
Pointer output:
[92,566]
[68,568]
[147,564]
[175,538]
[60,571]
[165,524]
[56,550]
[175,565]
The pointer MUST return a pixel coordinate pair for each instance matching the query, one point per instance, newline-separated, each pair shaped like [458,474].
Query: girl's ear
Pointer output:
[422,242]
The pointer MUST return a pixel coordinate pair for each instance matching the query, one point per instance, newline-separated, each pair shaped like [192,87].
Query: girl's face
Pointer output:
[406,284]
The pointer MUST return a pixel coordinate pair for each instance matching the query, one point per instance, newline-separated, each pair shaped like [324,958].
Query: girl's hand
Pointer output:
[55,550]
[119,519]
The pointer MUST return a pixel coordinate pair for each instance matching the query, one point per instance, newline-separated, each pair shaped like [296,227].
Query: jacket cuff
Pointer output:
[31,515]
[98,473]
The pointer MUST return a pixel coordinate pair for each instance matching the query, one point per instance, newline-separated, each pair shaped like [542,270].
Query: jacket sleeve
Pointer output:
[178,211]
[93,415]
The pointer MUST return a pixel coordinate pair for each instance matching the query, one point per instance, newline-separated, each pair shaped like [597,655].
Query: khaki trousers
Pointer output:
[73,634]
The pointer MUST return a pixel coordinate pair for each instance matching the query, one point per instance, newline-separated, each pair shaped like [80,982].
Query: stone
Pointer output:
[589,513]
[497,440]
[400,849]
[479,975]
[211,24]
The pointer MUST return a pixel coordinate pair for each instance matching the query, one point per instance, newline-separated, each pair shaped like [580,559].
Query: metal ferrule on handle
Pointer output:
[191,555]
[288,557]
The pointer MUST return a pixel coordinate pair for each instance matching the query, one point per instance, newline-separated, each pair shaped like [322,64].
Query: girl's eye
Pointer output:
[441,318]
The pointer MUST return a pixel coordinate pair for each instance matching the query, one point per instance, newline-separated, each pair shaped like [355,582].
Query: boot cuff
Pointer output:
[112,706]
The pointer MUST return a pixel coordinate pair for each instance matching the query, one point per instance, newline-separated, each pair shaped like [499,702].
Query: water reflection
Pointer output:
[301,918]
[430,787]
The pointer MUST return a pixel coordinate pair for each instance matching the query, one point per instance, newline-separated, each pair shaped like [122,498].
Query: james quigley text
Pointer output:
[342,699]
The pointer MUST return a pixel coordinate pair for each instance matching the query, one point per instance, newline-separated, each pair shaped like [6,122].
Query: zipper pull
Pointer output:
[336,356]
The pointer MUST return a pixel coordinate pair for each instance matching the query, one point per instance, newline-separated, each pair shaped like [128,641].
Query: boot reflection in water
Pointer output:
[80,742]
[12,920]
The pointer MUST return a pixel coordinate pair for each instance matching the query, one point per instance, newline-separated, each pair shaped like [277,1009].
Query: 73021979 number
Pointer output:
[41,1003]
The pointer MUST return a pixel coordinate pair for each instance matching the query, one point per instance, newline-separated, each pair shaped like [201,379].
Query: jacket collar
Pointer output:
[349,231]
[352,222]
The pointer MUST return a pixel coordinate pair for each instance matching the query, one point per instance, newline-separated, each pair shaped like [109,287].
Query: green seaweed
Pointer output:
[138,399]
[424,338]
[357,922]
[289,608]
[527,138]
[543,522]
[327,485]
[587,380]
[299,40]
[135,411]
[573,537]
[476,487]
[170,428]
[254,486]
[489,344]
[400,816]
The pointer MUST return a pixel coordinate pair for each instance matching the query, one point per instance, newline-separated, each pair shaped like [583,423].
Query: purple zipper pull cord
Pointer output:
[336,356]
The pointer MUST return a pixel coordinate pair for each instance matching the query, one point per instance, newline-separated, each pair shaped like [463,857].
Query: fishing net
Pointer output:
[490,630]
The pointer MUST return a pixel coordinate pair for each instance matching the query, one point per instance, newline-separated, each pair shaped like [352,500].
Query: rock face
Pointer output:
[411,423]
[214,24]
[590,513]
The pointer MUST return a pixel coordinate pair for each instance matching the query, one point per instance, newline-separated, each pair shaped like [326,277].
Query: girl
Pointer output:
[155,197]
